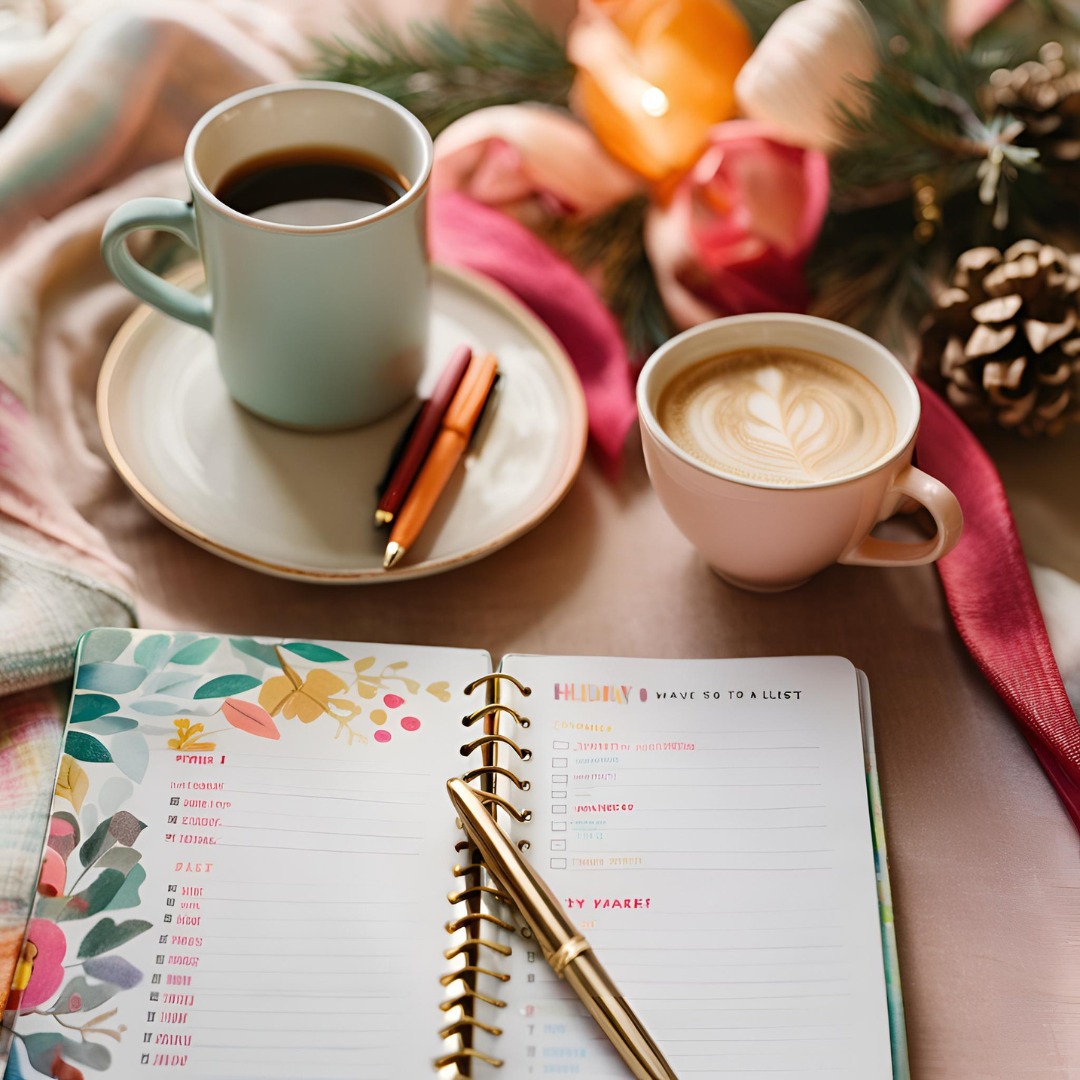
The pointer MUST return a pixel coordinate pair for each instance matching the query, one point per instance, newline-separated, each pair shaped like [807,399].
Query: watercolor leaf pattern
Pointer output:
[92,706]
[94,867]
[198,652]
[72,783]
[316,654]
[226,685]
[249,717]
[49,1054]
[108,934]
[306,699]
[187,736]
[440,690]
[86,747]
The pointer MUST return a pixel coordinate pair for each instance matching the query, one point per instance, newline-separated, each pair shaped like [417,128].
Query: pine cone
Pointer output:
[1044,95]
[1003,342]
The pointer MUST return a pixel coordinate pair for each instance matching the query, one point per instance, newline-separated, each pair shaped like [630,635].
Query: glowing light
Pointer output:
[654,101]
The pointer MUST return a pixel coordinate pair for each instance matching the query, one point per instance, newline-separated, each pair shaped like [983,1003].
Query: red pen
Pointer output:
[422,434]
[455,432]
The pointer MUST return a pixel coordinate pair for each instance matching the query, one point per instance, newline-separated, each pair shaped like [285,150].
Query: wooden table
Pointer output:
[985,863]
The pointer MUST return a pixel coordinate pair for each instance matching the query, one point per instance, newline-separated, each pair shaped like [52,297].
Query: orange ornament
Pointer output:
[655,75]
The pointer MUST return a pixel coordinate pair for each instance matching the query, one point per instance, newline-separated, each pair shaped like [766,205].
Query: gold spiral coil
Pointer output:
[475,917]
[465,946]
[469,994]
[523,753]
[477,890]
[492,680]
[488,772]
[465,1056]
[478,896]
[468,1021]
[472,969]
[490,709]
[489,798]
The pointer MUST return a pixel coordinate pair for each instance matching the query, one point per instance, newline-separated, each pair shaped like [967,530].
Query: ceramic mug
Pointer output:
[316,326]
[767,535]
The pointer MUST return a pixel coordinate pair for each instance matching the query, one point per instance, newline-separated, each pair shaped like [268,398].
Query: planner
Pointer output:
[252,868]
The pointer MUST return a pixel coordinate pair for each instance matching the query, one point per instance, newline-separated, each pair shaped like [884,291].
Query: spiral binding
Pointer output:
[476,950]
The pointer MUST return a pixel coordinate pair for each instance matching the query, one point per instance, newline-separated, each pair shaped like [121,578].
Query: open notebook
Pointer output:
[256,871]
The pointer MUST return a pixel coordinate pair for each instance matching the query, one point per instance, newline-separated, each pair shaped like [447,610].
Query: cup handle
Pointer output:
[944,509]
[167,215]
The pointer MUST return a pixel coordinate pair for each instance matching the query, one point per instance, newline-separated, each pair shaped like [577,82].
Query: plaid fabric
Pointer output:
[29,747]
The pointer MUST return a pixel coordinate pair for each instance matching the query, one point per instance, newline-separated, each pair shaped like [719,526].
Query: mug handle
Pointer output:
[167,215]
[943,507]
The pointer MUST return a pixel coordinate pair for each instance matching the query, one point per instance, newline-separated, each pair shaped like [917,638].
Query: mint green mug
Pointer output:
[307,210]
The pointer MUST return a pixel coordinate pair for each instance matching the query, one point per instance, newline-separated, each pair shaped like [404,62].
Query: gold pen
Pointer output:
[569,954]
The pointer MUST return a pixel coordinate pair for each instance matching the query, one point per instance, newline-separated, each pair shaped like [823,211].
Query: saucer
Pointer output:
[301,505]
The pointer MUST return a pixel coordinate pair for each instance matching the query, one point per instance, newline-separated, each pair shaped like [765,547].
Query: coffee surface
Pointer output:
[312,185]
[778,416]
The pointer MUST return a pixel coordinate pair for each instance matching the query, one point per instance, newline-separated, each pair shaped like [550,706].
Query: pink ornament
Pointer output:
[736,233]
[531,162]
[392,701]
[410,723]
[382,735]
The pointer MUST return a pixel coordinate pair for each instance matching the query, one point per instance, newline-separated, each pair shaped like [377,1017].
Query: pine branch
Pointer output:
[611,247]
[502,56]
[929,125]
[923,114]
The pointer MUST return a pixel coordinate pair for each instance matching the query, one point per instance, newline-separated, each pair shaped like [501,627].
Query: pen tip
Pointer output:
[393,555]
[383,517]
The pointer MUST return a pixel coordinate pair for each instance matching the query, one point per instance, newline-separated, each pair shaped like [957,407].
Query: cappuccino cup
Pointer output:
[776,443]
[308,213]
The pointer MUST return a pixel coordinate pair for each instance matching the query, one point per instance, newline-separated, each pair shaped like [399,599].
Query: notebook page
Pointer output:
[276,818]
[706,822]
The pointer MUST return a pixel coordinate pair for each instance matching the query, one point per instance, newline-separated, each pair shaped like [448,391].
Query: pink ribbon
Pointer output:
[467,233]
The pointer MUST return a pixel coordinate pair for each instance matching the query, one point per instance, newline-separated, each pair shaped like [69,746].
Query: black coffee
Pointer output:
[311,185]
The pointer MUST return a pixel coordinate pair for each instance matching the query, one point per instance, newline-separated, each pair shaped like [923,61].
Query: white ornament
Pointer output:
[807,67]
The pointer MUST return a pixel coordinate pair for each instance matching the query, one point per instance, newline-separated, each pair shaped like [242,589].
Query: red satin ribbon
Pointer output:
[992,600]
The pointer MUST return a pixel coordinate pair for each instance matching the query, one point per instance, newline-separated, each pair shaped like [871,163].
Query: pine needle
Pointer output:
[502,56]
[928,125]
[610,248]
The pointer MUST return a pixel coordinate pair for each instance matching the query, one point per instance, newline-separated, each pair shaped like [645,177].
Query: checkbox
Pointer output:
[559,779]
[558,808]
[558,826]
[558,864]
[558,794]
[558,763]
[558,845]
[559,745]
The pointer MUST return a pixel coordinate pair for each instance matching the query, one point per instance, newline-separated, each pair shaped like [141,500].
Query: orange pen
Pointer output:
[449,447]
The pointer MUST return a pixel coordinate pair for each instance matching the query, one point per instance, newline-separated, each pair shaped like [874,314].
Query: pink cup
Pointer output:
[766,536]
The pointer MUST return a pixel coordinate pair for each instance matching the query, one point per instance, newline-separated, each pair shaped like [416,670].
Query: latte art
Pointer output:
[778,416]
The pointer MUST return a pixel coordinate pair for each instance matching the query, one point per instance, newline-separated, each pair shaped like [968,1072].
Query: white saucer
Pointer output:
[301,505]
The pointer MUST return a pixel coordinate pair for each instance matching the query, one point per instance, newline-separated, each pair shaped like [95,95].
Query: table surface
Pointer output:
[985,863]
